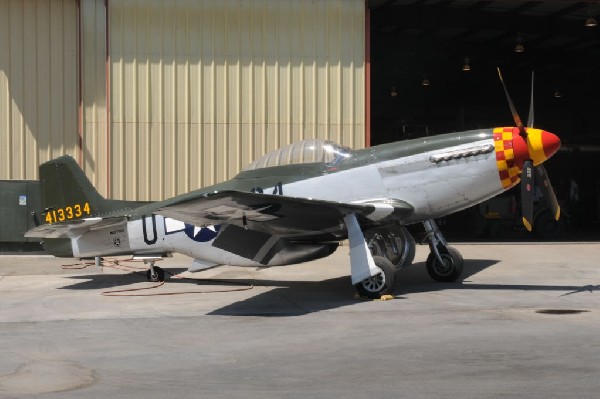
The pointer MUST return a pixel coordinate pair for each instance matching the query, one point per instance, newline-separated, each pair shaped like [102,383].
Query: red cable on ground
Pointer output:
[121,292]
[119,264]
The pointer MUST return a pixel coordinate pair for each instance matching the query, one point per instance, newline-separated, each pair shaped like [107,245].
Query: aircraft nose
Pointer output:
[550,144]
[540,146]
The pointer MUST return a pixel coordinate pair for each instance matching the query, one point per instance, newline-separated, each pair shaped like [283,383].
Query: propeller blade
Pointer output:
[513,110]
[527,193]
[527,177]
[546,187]
[530,117]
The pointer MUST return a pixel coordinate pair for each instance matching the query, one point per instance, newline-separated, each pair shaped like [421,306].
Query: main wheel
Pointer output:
[392,242]
[447,271]
[380,284]
[159,275]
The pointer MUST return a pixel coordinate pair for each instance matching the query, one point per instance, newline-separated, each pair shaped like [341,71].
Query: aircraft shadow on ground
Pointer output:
[289,298]
[293,298]
[107,280]
[296,298]
[417,274]
[415,279]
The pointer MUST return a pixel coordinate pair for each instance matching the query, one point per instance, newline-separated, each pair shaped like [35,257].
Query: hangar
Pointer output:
[156,98]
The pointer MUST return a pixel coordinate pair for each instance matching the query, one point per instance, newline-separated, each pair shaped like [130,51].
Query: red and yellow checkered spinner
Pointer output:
[512,150]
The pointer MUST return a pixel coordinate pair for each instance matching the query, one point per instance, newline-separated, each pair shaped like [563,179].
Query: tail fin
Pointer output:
[68,194]
[64,185]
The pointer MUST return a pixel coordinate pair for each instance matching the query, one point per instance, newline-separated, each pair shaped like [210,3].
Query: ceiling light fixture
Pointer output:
[519,48]
[425,82]
[590,22]
[557,93]
[467,66]
[393,92]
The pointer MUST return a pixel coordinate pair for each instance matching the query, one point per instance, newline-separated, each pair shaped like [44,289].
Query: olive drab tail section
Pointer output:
[71,206]
[67,193]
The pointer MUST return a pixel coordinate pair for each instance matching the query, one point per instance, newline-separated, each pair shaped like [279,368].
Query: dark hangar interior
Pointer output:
[433,70]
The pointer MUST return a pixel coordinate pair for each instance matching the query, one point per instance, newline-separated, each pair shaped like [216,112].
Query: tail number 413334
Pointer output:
[68,212]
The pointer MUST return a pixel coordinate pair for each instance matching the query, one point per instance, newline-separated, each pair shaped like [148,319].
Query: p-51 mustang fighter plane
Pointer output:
[297,203]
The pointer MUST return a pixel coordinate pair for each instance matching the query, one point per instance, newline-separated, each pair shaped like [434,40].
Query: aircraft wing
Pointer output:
[74,228]
[276,214]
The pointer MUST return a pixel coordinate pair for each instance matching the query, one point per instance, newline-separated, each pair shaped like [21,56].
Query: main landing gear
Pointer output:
[444,263]
[393,248]
[378,253]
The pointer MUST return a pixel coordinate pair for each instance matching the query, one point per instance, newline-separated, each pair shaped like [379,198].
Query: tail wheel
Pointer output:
[380,284]
[158,276]
[447,271]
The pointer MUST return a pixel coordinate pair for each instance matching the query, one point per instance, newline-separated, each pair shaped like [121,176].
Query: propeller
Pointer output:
[513,110]
[530,117]
[530,173]
[547,190]
[527,184]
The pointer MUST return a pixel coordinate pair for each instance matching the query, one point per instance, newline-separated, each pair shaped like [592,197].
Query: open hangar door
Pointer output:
[433,70]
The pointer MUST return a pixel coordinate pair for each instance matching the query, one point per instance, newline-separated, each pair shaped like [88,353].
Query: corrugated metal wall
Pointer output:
[198,89]
[38,85]
[94,87]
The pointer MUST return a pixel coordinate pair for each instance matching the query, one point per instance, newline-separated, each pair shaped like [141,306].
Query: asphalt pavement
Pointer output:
[524,322]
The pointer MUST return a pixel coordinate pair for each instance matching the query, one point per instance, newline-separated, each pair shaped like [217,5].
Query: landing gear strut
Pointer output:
[373,276]
[444,263]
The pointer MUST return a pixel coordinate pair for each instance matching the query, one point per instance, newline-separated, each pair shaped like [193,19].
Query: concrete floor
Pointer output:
[299,332]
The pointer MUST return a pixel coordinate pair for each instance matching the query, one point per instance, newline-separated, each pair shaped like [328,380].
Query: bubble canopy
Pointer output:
[305,151]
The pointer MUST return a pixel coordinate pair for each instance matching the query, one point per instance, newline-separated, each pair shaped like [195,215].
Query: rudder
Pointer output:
[67,193]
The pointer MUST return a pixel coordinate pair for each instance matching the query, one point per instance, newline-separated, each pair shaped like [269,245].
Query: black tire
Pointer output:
[383,247]
[452,268]
[412,249]
[376,249]
[380,284]
[160,275]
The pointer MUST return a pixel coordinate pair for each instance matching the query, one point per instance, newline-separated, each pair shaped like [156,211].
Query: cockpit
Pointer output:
[305,151]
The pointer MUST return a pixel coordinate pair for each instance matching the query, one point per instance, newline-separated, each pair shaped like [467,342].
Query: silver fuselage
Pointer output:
[437,176]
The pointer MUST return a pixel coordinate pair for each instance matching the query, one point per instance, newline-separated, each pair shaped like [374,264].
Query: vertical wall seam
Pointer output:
[188,118]
[108,93]
[132,162]
[148,127]
[315,99]
[367,120]
[9,116]
[121,129]
[65,135]
[161,111]
[79,87]
[36,158]
[22,133]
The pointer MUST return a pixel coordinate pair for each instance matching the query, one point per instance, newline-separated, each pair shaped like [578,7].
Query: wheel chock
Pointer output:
[359,297]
